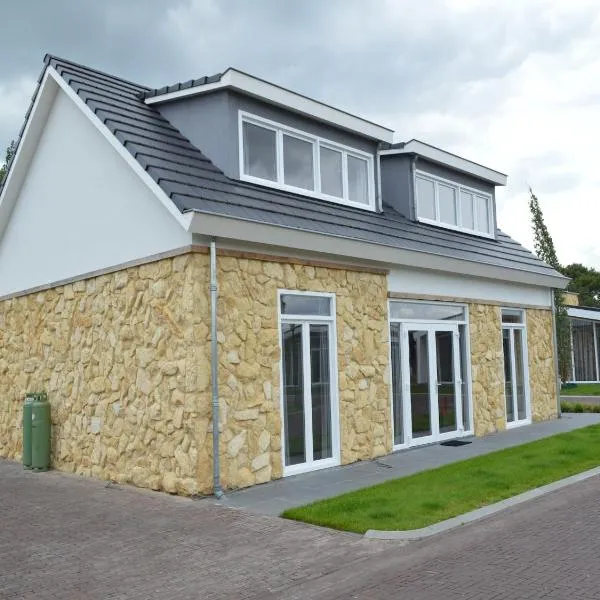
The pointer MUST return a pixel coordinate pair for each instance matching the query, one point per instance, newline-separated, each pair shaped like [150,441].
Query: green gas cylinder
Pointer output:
[40,433]
[29,398]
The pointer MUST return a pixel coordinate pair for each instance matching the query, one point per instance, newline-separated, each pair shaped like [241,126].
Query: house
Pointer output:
[362,297]
[584,325]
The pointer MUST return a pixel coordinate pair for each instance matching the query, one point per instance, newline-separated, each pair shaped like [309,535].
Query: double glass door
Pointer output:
[427,383]
[309,409]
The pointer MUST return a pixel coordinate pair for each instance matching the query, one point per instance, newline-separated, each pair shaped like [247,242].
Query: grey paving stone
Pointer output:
[69,538]
[318,485]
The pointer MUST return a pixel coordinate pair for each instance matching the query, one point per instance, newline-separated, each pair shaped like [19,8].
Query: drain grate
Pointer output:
[454,443]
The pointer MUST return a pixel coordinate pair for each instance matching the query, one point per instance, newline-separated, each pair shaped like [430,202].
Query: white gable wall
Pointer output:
[81,209]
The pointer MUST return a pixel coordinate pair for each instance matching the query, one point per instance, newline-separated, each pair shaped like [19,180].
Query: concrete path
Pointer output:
[275,497]
[69,538]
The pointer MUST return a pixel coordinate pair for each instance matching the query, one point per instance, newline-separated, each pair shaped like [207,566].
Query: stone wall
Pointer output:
[125,358]
[249,375]
[487,368]
[122,358]
[542,369]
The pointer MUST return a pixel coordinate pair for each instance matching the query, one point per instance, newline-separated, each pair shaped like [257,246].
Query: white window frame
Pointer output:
[317,142]
[469,383]
[306,321]
[523,327]
[458,188]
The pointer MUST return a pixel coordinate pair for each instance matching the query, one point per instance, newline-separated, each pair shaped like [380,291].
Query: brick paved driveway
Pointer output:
[68,538]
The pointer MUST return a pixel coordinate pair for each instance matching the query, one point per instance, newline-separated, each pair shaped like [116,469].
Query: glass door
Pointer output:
[431,390]
[308,396]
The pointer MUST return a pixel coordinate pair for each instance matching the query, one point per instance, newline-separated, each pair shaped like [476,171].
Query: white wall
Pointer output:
[80,209]
[432,283]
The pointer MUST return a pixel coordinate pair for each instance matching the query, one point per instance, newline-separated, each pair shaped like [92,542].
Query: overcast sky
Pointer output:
[512,85]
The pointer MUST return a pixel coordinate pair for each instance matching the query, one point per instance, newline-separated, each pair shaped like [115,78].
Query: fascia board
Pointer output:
[580,312]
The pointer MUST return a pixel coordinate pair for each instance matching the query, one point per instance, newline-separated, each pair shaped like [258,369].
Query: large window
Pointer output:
[452,205]
[282,157]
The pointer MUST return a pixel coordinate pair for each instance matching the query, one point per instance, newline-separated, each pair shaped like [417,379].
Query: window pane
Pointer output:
[423,310]
[512,316]
[466,208]
[483,213]
[447,202]
[396,367]
[358,180]
[320,392]
[520,373]
[331,172]
[300,304]
[426,198]
[584,352]
[446,388]
[508,376]
[420,397]
[259,152]
[293,394]
[298,168]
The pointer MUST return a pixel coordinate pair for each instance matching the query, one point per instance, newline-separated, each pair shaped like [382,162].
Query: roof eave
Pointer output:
[246,230]
[447,159]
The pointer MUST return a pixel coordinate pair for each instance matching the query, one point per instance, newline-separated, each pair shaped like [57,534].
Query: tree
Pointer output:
[544,248]
[10,151]
[585,281]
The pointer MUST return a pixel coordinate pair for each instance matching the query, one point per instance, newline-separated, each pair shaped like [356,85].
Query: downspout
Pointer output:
[555,344]
[214,370]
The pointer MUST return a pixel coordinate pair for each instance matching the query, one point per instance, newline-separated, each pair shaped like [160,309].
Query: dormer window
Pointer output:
[448,204]
[279,156]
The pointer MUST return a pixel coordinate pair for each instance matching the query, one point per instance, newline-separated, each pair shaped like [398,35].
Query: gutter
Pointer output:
[214,369]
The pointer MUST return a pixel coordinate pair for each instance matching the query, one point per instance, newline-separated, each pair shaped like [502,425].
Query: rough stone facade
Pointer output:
[122,359]
[125,358]
[542,365]
[249,375]
[487,368]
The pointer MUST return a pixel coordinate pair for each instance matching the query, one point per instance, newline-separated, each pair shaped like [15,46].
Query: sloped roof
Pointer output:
[194,183]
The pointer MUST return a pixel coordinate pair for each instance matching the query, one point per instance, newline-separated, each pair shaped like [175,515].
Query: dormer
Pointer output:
[432,186]
[260,133]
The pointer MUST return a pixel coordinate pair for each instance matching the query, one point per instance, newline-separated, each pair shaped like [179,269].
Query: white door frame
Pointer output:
[511,327]
[306,321]
[430,328]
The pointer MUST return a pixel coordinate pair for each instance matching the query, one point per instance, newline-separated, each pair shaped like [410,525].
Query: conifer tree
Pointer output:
[544,248]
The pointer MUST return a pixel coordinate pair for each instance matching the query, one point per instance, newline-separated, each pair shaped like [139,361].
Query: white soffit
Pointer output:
[274,94]
[448,159]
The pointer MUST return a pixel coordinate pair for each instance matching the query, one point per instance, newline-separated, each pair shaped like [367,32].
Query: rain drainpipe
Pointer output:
[555,344]
[214,370]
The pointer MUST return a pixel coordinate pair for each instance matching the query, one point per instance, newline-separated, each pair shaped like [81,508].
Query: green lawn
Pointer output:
[432,496]
[581,389]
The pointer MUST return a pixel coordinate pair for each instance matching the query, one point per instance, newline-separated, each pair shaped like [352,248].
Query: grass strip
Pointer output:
[581,389]
[436,495]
